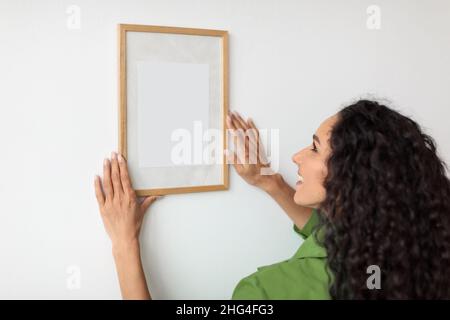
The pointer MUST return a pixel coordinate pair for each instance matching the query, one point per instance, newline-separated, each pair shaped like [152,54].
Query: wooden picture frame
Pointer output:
[144,49]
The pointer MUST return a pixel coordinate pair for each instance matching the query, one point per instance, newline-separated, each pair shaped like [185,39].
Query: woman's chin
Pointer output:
[298,199]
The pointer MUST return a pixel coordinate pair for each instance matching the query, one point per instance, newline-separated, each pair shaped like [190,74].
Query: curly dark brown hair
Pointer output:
[387,204]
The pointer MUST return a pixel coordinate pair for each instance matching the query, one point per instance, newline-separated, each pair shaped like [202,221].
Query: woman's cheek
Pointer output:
[309,198]
[305,194]
[312,192]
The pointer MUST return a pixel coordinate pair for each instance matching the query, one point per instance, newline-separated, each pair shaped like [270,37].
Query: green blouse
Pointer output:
[303,276]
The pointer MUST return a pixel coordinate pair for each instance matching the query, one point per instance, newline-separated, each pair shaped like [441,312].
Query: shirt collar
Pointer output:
[310,248]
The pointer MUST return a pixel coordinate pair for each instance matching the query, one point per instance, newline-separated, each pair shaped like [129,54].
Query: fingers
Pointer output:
[237,135]
[229,122]
[240,122]
[255,146]
[262,157]
[248,137]
[254,132]
[232,158]
[116,179]
[251,132]
[235,122]
[125,177]
[107,185]
[115,175]
[99,192]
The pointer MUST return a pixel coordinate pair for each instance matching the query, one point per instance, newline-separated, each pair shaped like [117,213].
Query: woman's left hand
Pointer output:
[121,211]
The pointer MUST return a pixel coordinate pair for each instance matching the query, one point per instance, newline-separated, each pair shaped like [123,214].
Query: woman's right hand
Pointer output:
[250,161]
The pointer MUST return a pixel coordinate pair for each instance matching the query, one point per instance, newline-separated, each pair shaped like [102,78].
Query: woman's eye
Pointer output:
[314,149]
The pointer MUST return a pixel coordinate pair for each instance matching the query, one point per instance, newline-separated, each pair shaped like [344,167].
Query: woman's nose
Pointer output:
[296,157]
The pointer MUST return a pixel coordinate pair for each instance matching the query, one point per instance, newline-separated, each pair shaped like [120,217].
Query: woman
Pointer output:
[371,192]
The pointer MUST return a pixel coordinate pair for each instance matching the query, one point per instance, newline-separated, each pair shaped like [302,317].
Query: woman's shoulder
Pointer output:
[303,276]
[295,278]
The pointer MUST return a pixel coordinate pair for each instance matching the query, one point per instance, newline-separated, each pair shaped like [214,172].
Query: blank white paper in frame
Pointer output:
[175,111]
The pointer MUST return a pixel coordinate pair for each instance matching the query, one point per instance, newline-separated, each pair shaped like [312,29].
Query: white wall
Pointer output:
[292,64]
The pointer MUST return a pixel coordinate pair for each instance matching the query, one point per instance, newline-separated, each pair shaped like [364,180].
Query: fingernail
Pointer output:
[105,162]
[113,155]
[120,158]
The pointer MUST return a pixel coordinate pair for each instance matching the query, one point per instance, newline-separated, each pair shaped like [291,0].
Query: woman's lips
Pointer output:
[299,179]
